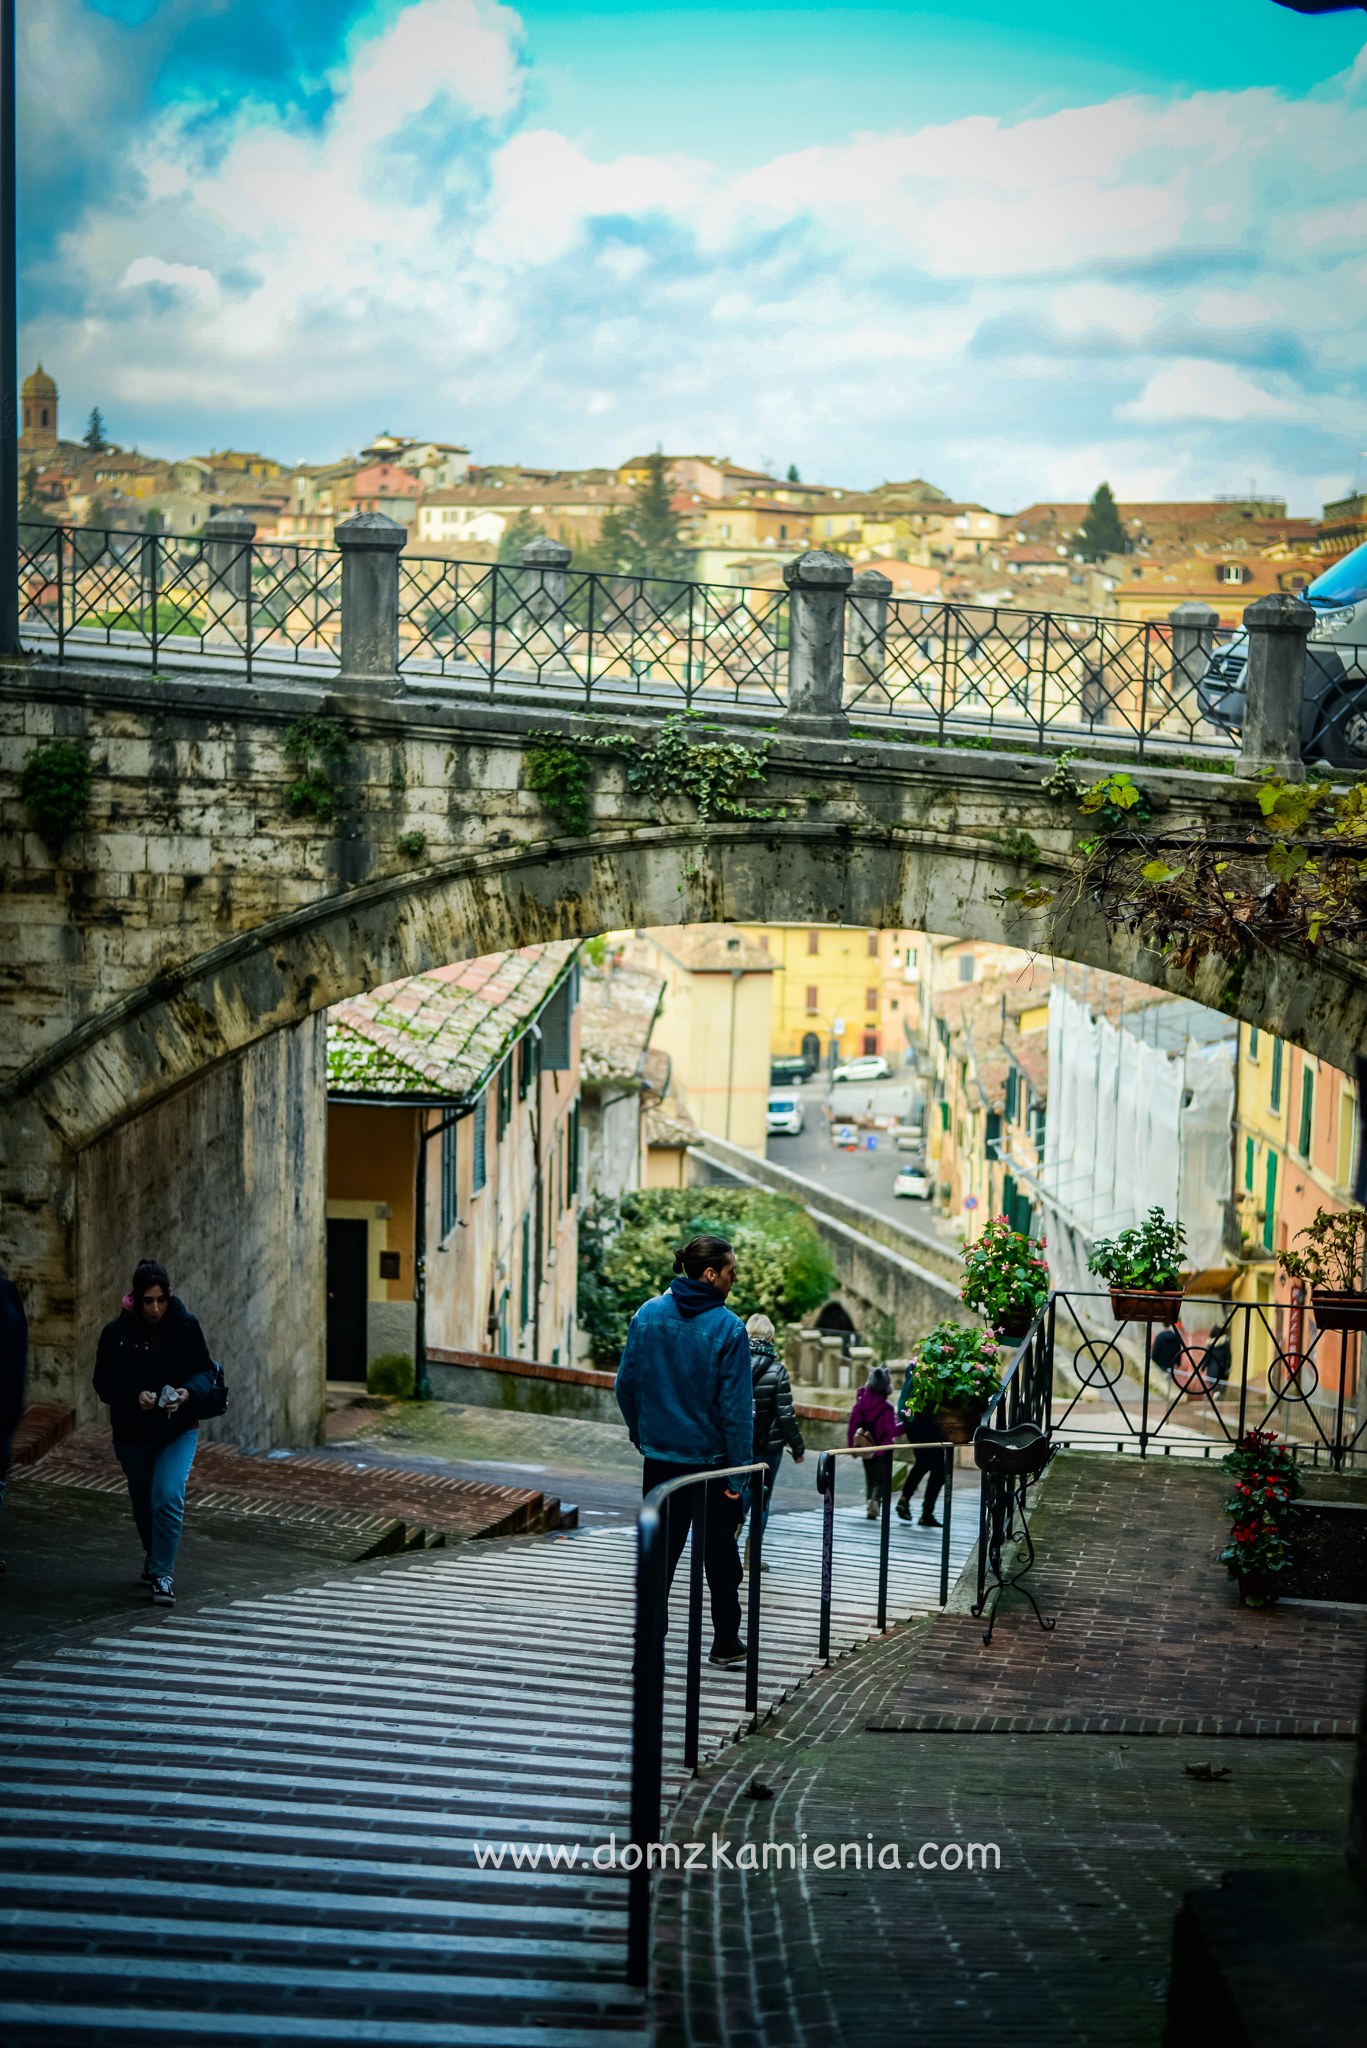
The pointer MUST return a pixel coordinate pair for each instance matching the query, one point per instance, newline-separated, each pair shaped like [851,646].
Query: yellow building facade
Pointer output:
[715,1025]
[840,990]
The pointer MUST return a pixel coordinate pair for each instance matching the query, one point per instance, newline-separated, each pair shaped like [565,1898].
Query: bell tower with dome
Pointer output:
[38,395]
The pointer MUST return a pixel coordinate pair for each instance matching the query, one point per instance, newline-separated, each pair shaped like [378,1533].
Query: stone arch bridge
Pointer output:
[165,970]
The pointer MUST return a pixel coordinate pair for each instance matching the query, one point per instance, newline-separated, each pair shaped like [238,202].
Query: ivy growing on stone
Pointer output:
[711,773]
[412,845]
[319,748]
[55,786]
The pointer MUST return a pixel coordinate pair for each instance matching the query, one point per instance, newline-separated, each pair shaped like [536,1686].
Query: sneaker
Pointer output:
[930,1522]
[735,1655]
[903,1508]
[163,1593]
[873,1510]
[146,1578]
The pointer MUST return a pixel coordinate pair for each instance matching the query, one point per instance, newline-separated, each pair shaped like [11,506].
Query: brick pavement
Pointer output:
[391,1505]
[930,1739]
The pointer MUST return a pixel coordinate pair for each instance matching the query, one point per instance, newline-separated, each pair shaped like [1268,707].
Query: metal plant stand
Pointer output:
[1010,1460]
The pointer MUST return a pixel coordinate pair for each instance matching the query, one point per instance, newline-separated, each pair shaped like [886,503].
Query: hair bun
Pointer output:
[678,1262]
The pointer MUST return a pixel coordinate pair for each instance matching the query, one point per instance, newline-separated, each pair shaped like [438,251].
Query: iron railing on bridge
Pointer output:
[955,673]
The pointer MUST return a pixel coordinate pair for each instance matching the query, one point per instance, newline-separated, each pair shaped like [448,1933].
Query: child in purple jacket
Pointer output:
[873,1420]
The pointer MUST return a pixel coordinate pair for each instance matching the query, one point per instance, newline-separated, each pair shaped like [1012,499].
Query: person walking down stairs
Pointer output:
[873,1421]
[776,1424]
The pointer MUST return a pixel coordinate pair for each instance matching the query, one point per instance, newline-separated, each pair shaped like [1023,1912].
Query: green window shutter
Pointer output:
[1270,1200]
[1248,1164]
[1277,1050]
[1307,1111]
[525,1291]
[479,1170]
[448,1180]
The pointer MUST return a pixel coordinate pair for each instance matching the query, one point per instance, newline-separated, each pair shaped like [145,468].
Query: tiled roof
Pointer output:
[618,1007]
[711,949]
[441,1033]
[669,1133]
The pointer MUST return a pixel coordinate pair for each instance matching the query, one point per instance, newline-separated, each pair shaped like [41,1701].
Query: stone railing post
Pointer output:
[227,541]
[866,635]
[817,583]
[1193,642]
[370,544]
[1274,685]
[544,594]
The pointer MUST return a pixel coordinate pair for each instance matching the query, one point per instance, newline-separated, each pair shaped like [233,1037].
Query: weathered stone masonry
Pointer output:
[155,954]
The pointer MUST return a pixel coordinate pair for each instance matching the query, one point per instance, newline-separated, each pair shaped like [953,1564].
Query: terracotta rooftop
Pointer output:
[445,1032]
[711,949]
[618,1007]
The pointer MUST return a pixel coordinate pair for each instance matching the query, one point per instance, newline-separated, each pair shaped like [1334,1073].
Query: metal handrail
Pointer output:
[825,1486]
[647,1704]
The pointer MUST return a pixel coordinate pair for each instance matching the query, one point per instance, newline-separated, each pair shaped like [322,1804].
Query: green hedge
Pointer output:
[391,1373]
[626,1255]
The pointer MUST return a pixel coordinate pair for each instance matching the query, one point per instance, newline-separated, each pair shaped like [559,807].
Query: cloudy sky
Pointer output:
[877,241]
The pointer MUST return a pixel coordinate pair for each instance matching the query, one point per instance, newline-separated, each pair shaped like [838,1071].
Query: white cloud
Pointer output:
[1008,308]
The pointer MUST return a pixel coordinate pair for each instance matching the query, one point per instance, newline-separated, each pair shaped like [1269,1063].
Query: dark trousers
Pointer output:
[721,1559]
[930,1466]
[877,1475]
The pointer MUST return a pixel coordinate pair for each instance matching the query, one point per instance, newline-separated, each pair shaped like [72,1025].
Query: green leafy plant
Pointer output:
[1335,1243]
[391,1374]
[626,1255]
[54,783]
[710,773]
[954,1365]
[1146,1257]
[1062,782]
[1265,1484]
[1004,1273]
[319,748]
[412,845]
[1115,801]
[1019,846]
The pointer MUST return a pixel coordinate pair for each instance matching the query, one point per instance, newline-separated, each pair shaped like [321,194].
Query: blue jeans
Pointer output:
[773,1458]
[157,1475]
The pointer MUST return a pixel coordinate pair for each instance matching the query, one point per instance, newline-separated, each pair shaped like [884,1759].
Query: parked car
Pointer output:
[913,1181]
[787,1072]
[785,1114]
[909,1138]
[1334,711]
[870,1066]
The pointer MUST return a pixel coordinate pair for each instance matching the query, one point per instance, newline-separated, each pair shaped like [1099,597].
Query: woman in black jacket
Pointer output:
[151,1370]
[776,1423]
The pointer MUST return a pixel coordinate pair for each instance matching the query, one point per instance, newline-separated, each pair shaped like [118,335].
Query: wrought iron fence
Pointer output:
[977,669]
[1193,1392]
[156,594]
[600,637]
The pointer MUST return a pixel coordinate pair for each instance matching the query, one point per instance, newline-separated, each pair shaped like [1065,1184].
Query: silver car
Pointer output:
[1334,714]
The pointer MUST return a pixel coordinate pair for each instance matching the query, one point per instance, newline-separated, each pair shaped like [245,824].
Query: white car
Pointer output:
[913,1181]
[785,1114]
[870,1066]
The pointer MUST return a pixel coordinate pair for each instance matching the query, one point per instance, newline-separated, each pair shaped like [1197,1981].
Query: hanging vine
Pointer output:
[711,773]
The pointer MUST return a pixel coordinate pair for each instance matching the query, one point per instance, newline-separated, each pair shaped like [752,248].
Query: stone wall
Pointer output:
[224,1183]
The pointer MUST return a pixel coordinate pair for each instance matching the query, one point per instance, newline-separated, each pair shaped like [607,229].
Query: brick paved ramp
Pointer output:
[255,1823]
[1072,1753]
[395,1506]
[1151,1637]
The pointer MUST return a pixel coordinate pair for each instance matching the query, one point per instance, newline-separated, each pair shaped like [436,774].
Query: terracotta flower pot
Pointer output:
[1336,1310]
[1146,1304]
[959,1419]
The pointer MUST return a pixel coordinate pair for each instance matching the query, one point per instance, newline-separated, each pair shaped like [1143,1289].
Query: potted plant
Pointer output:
[1142,1266]
[1332,1265]
[1006,1280]
[1265,1483]
[955,1374]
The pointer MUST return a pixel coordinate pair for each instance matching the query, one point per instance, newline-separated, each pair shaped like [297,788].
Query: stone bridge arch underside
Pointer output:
[167,970]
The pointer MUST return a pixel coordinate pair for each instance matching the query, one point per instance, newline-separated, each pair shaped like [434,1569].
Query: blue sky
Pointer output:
[1011,252]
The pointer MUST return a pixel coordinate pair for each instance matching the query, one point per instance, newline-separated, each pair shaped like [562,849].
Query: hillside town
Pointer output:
[712,519]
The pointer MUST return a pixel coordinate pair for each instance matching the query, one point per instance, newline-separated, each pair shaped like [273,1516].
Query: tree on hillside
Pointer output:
[644,538]
[517,534]
[1101,532]
[793,476]
[93,438]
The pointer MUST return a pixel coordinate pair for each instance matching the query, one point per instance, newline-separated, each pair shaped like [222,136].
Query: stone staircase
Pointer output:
[257,1823]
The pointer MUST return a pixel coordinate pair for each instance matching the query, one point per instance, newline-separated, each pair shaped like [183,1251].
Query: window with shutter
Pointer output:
[479,1173]
[448,1180]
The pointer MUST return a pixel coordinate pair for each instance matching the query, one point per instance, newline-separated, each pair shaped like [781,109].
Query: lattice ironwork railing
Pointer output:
[1018,674]
[1225,1368]
[153,593]
[605,637]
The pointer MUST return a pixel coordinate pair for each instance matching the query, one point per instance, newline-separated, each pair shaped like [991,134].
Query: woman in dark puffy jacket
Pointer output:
[152,1369]
[776,1425]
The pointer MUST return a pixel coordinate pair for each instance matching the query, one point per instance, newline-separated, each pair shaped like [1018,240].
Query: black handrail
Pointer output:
[1026,1396]
[647,1706]
[825,1486]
